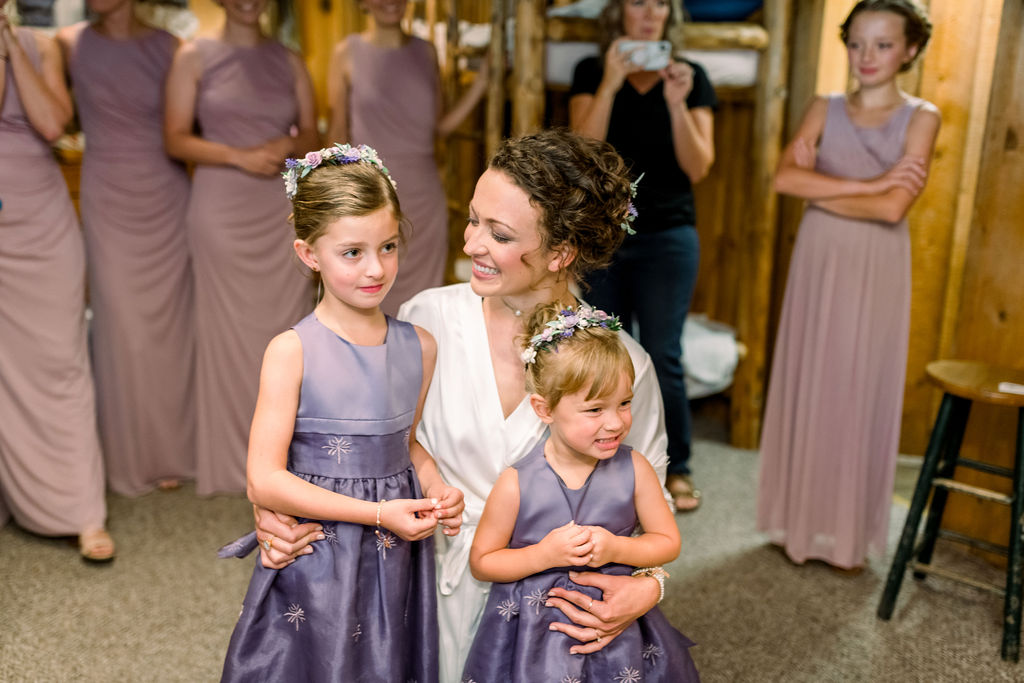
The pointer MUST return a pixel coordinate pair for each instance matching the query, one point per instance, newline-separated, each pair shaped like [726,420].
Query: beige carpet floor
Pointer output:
[164,610]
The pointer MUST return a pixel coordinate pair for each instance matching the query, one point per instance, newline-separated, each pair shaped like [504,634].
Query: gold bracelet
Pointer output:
[657,573]
[380,504]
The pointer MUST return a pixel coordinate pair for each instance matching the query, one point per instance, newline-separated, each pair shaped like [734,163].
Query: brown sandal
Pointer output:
[685,496]
[96,546]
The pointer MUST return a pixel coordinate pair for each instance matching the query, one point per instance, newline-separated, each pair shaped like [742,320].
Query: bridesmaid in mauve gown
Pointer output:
[832,419]
[51,468]
[133,200]
[366,71]
[247,93]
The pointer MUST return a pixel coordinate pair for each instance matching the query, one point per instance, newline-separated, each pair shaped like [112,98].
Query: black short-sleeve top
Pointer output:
[640,130]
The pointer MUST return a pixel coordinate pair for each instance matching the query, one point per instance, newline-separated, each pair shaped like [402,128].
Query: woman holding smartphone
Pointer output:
[659,118]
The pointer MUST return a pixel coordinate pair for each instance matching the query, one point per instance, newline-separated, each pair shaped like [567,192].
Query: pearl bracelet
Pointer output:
[656,573]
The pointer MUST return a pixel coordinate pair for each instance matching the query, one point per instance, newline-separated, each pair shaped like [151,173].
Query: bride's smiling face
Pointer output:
[503,239]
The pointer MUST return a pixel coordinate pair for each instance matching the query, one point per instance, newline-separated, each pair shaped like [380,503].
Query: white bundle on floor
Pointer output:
[710,355]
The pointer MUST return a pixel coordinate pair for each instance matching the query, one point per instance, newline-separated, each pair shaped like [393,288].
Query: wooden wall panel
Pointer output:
[991,317]
[948,74]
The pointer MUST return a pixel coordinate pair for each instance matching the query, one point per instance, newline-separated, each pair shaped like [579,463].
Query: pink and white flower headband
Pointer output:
[562,327]
[335,155]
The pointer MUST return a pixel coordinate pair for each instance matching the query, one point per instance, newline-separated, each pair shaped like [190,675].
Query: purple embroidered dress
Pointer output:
[358,608]
[513,643]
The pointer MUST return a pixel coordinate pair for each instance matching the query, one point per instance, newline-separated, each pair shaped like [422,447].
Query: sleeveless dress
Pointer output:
[51,468]
[402,130]
[359,608]
[513,643]
[133,201]
[248,283]
[832,421]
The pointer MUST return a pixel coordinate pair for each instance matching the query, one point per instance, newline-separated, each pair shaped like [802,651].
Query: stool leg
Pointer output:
[1011,604]
[946,468]
[917,503]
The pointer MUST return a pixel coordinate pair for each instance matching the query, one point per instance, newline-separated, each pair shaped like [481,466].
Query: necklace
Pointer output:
[515,311]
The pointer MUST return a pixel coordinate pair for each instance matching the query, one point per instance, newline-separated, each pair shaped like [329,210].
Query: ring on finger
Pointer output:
[591,604]
[268,543]
[597,636]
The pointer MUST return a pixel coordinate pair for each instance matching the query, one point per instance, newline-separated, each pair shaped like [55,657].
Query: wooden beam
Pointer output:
[747,404]
[494,114]
[973,141]
[528,72]
[697,36]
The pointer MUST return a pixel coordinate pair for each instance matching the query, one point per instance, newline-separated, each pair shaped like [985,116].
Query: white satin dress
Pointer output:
[464,428]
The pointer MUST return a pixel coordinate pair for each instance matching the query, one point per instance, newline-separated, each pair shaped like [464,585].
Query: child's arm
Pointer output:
[658,544]
[272,486]
[448,499]
[490,558]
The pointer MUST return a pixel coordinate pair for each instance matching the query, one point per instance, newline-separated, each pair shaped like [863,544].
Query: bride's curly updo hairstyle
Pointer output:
[581,187]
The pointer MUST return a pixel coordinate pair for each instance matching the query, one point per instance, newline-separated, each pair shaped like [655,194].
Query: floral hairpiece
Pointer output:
[631,213]
[335,155]
[564,325]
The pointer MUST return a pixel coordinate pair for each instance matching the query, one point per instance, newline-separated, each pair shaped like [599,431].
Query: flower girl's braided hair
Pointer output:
[582,189]
[329,191]
[584,351]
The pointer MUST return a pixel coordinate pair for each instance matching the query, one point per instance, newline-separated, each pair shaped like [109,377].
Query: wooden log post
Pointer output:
[494,115]
[758,245]
[528,73]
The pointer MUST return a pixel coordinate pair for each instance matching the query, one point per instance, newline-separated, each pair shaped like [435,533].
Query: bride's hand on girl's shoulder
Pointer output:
[410,518]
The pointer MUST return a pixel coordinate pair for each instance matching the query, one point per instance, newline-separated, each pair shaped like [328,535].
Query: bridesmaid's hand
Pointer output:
[450,504]
[909,173]
[266,159]
[598,622]
[288,539]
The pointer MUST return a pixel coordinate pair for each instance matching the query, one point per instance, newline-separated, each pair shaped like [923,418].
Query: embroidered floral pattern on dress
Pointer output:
[628,675]
[652,652]
[338,446]
[536,599]
[569,679]
[358,632]
[385,542]
[296,615]
[508,609]
[330,535]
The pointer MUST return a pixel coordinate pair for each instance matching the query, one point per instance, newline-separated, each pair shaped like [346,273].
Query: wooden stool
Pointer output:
[964,382]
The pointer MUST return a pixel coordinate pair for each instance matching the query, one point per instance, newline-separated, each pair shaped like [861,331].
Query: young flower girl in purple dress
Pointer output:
[333,439]
[572,506]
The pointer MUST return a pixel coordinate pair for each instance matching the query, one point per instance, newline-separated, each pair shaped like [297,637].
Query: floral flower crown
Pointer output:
[335,155]
[631,213]
[563,327]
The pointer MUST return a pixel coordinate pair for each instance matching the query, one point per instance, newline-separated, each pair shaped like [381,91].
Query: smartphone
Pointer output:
[651,55]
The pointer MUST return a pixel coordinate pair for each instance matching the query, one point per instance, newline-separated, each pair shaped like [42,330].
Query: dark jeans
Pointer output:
[650,282]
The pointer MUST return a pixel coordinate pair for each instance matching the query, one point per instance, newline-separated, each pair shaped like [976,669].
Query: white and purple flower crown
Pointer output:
[562,327]
[630,209]
[335,155]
